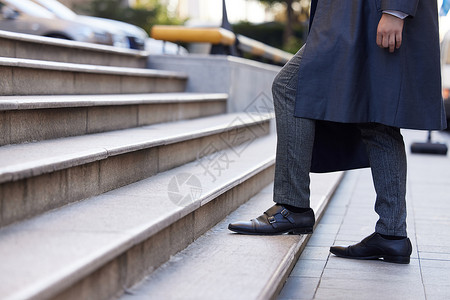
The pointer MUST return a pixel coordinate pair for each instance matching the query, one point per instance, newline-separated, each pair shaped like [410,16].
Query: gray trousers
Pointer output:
[384,144]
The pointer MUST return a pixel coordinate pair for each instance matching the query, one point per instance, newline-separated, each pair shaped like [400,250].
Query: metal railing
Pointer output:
[220,37]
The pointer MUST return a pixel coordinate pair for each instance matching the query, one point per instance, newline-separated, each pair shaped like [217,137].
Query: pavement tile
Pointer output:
[435,256]
[299,288]
[322,239]
[370,289]
[437,291]
[308,268]
[377,271]
[434,276]
[434,249]
[427,275]
[312,252]
[357,235]
[326,228]
[334,219]
[371,293]
[432,263]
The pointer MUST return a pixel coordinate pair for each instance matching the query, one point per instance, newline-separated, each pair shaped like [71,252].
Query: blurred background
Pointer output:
[128,23]
[281,24]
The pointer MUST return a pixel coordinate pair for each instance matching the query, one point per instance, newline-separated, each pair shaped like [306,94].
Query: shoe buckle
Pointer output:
[271,219]
[285,213]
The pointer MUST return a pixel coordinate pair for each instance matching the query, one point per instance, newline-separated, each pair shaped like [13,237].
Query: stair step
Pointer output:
[35,118]
[40,176]
[224,265]
[95,248]
[18,45]
[37,77]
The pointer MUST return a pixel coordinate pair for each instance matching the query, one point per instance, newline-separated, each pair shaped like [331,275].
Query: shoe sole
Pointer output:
[386,258]
[298,231]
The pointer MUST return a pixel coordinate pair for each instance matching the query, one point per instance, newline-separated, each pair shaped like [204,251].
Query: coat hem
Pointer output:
[360,121]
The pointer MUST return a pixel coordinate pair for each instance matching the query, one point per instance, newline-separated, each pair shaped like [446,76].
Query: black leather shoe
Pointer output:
[277,220]
[374,247]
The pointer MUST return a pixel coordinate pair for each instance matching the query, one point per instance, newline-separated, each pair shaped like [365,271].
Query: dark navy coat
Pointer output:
[345,78]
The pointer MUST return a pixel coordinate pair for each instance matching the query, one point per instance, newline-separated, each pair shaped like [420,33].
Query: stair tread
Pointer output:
[74,67]
[47,253]
[224,265]
[71,44]
[32,159]
[59,101]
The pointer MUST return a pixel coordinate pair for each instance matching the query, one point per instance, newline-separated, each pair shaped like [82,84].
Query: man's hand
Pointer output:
[389,32]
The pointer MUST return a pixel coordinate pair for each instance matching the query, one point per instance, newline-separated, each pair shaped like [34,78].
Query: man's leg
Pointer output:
[387,157]
[295,140]
[293,161]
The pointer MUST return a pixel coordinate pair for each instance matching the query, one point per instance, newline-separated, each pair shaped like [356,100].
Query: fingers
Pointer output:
[380,39]
[398,40]
[385,43]
[389,32]
[391,41]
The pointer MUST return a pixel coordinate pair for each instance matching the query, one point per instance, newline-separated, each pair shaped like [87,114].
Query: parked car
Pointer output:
[123,34]
[162,47]
[24,16]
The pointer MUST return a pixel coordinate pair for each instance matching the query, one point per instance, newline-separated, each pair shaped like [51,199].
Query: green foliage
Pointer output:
[270,2]
[145,15]
[293,44]
[271,34]
[267,33]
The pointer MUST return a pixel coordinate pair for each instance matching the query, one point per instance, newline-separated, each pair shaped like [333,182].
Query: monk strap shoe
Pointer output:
[277,220]
[375,247]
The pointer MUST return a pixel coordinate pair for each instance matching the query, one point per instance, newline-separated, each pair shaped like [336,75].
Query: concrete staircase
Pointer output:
[109,169]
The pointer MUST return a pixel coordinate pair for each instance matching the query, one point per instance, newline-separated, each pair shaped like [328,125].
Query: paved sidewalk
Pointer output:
[350,217]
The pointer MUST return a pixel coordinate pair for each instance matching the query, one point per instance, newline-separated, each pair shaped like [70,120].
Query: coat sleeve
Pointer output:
[409,7]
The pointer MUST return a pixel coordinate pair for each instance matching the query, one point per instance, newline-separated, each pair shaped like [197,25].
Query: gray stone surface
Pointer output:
[49,174]
[82,182]
[62,53]
[247,82]
[6,81]
[20,161]
[350,217]
[60,101]
[157,113]
[28,81]
[177,154]
[36,195]
[117,171]
[8,48]
[224,265]
[66,44]
[101,229]
[100,118]
[34,118]
[5,128]
[35,125]
[92,83]
[45,256]
[35,77]
[70,67]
